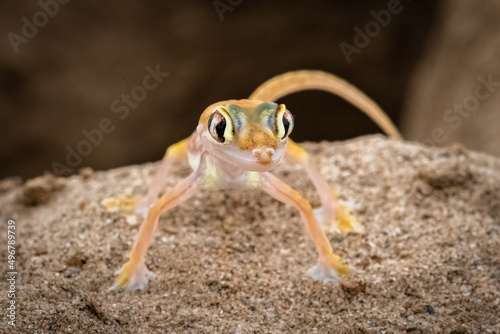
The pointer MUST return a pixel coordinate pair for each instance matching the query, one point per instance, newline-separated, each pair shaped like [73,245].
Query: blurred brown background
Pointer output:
[69,72]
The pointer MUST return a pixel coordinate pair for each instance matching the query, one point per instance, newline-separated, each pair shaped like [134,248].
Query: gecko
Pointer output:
[237,143]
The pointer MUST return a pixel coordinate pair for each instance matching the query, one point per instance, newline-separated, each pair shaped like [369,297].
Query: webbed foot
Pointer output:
[132,277]
[123,204]
[343,222]
[328,269]
[127,205]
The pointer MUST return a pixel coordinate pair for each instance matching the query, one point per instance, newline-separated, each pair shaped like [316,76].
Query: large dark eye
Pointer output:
[285,123]
[217,126]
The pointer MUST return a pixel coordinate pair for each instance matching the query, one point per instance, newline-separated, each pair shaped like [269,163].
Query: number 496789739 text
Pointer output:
[11,273]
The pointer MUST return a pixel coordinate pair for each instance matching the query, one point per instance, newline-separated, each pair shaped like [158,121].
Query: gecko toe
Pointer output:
[132,277]
[347,222]
[328,269]
[344,222]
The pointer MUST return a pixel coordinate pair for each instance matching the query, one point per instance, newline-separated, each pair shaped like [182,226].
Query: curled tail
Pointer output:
[296,81]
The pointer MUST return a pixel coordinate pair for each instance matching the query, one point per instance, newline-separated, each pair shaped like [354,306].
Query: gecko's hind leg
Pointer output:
[174,153]
[332,215]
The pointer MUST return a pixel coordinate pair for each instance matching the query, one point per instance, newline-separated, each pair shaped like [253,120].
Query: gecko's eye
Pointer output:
[284,122]
[219,126]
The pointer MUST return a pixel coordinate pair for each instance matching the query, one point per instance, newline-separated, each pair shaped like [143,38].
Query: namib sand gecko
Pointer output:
[236,144]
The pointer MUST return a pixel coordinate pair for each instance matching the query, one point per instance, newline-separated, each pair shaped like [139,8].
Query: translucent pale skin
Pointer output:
[254,144]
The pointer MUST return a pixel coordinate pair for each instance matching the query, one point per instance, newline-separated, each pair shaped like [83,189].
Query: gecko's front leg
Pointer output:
[329,265]
[134,275]
[334,216]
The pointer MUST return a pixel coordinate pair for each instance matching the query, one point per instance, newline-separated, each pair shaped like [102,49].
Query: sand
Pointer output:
[235,261]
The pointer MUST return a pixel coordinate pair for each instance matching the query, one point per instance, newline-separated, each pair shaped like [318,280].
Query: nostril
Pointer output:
[264,153]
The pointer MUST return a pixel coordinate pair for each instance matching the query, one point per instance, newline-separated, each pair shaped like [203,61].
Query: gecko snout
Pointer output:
[264,155]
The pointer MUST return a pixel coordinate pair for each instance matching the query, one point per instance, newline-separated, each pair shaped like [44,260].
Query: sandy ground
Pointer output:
[234,262]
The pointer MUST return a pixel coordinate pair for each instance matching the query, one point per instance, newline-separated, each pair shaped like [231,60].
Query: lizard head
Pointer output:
[250,134]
